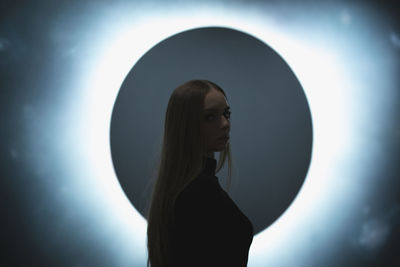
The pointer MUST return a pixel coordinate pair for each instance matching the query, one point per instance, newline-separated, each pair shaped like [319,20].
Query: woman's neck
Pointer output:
[210,155]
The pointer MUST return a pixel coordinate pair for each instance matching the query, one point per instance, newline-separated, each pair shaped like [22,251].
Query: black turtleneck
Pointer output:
[209,230]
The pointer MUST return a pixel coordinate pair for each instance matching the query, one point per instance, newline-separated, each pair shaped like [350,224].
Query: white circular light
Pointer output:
[329,84]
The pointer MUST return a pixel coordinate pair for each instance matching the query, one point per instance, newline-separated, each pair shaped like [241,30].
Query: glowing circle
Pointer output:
[271,133]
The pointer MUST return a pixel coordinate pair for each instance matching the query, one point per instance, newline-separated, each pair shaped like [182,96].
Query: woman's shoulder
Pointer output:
[200,191]
[200,185]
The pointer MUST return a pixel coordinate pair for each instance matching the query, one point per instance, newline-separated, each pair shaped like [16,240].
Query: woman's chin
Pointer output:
[220,148]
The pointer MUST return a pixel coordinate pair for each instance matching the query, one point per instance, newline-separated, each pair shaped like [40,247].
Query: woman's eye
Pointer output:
[210,117]
[227,114]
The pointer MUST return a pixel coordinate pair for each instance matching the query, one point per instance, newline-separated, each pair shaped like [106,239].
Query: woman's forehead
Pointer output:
[214,99]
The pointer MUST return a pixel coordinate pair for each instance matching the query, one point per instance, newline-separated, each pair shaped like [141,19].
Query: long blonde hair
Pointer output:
[181,160]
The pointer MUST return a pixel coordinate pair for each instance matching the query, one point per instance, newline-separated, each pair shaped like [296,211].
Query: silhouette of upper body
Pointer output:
[209,229]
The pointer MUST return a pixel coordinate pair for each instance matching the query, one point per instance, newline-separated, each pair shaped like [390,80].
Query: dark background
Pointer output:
[42,219]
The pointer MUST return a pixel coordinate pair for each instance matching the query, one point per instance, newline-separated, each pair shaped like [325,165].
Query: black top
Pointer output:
[209,230]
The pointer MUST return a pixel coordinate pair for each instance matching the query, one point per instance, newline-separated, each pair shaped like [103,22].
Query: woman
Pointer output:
[192,221]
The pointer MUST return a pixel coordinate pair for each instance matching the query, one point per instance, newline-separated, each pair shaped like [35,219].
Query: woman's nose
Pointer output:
[225,122]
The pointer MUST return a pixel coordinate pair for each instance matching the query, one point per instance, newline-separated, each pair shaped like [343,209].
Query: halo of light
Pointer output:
[315,67]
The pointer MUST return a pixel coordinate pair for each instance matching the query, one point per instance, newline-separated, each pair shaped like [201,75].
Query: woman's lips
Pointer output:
[224,138]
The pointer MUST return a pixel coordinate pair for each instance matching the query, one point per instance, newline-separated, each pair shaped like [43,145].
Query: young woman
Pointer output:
[192,221]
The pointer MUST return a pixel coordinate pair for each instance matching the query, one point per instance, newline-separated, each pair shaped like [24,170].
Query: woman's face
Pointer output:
[216,121]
